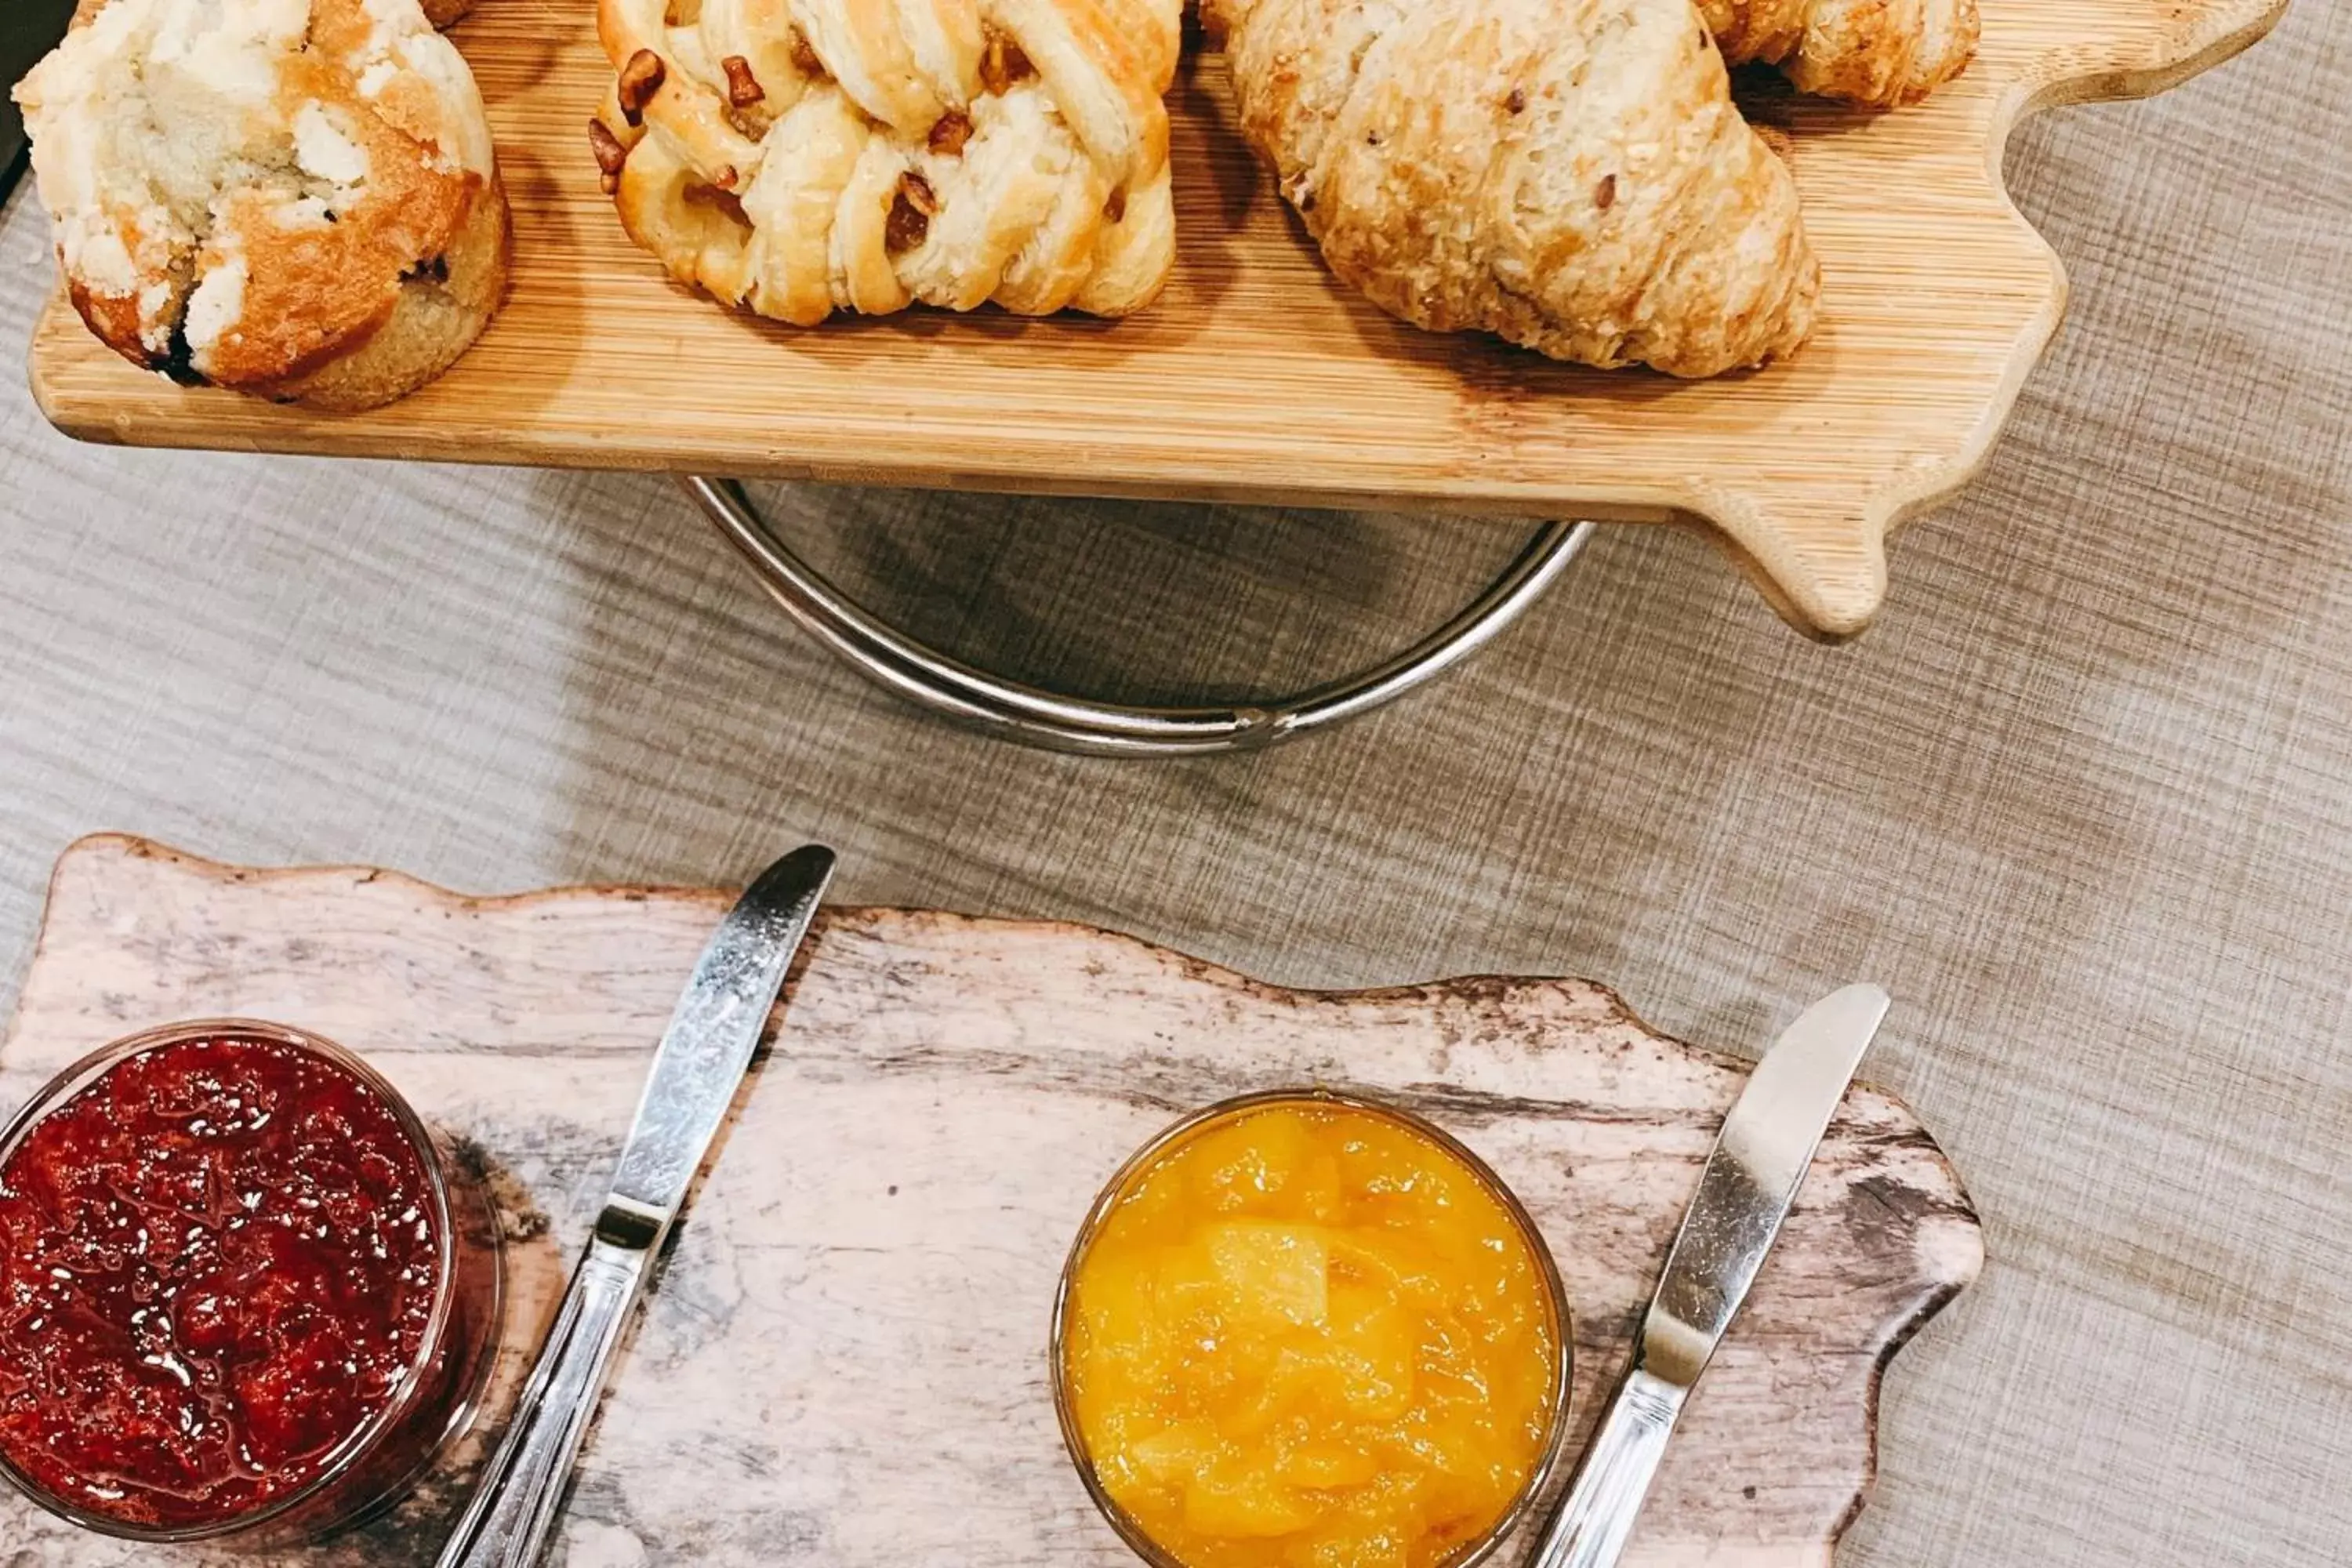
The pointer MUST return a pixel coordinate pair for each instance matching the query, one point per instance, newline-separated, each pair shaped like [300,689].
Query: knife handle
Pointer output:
[514,1507]
[1596,1518]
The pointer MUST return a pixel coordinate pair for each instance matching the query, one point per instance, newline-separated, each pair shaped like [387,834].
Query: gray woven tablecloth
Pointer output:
[2084,801]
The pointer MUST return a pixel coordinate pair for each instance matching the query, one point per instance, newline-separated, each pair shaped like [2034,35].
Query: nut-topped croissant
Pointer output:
[1569,175]
[797,157]
[1877,52]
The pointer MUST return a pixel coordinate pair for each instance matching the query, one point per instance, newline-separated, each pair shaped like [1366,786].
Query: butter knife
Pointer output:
[1744,1193]
[703,1056]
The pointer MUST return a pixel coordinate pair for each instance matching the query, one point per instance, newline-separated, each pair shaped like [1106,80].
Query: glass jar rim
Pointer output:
[84,1075]
[1371,1103]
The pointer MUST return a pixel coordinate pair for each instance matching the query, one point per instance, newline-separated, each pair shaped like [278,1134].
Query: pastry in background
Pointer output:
[801,159]
[1569,174]
[447,13]
[294,198]
[1881,53]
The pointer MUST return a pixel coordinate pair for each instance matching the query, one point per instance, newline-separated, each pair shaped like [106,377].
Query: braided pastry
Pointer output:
[797,157]
[1569,175]
[1877,52]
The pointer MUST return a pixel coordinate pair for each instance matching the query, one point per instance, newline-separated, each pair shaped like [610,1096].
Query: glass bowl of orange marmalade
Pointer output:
[1307,1329]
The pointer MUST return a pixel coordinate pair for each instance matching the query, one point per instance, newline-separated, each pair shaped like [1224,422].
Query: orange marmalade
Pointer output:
[1310,1334]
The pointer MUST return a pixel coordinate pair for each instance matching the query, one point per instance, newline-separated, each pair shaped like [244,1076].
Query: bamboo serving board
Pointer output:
[1257,377]
[844,1362]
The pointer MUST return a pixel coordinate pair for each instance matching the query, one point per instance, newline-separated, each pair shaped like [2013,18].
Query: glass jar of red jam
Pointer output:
[244,1293]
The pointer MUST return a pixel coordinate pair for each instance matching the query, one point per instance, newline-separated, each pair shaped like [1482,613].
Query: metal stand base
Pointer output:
[1062,723]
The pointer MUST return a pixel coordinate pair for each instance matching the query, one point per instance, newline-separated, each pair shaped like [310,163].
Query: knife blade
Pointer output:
[711,1038]
[1745,1191]
[709,1042]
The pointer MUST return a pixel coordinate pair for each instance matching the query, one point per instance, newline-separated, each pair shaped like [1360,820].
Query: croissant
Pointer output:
[1876,52]
[1569,175]
[799,157]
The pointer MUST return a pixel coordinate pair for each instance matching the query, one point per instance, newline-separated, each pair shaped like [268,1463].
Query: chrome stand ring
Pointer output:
[1064,723]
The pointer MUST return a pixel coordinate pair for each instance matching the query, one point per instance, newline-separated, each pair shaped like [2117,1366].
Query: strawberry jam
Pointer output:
[223,1272]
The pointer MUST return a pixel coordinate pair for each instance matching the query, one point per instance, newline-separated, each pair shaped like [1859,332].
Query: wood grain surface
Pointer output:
[1257,377]
[845,1361]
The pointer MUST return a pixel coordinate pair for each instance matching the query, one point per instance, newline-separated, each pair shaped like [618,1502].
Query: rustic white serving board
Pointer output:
[845,1364]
